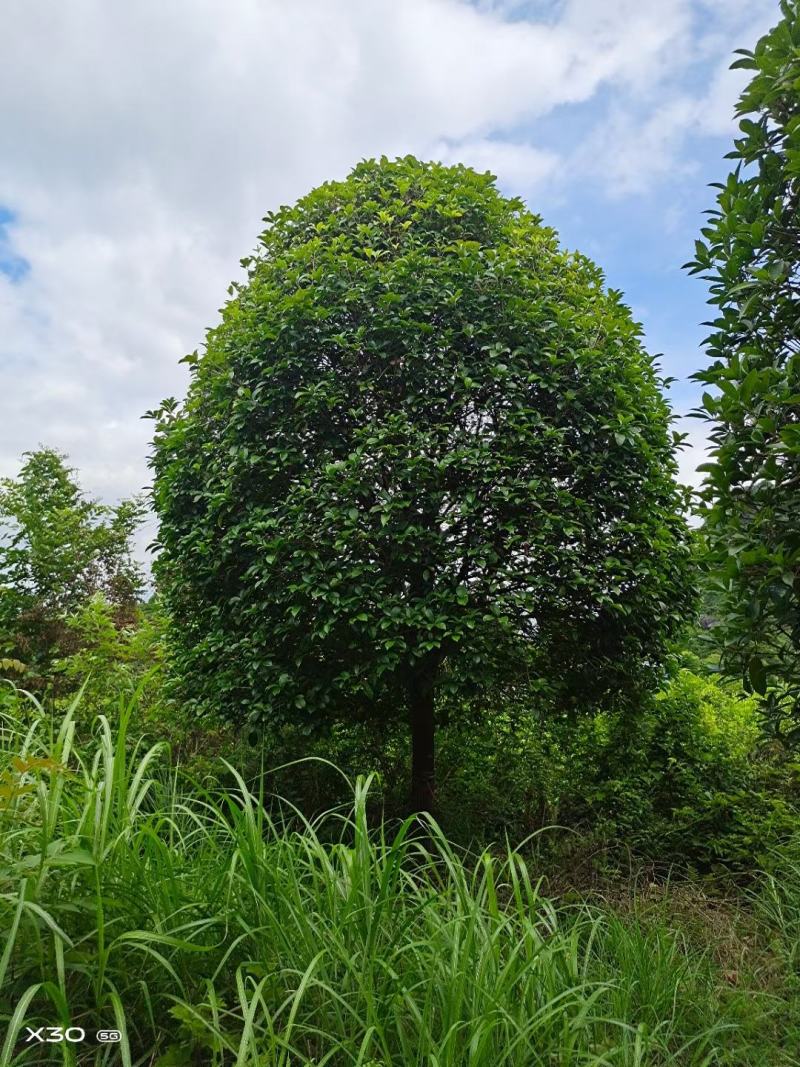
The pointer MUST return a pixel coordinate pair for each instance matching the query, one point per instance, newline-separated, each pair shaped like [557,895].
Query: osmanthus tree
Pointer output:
[423,452]
[750,254]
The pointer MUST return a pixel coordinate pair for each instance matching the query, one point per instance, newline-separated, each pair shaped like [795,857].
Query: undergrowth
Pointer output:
[210,930]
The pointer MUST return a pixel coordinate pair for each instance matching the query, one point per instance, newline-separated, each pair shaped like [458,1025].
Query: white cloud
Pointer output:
[630,151]
[521,166]
[645,138]
[141,144]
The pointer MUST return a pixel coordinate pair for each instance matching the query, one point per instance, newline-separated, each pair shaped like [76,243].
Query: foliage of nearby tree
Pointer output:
[750,253]
[424,451]
[58,549]
[112,656]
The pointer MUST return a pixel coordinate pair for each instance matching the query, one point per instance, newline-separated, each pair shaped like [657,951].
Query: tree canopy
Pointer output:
[749,254]
[424,451]
[57,549]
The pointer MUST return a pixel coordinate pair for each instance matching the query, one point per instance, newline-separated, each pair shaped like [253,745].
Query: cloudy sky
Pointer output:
[142,143]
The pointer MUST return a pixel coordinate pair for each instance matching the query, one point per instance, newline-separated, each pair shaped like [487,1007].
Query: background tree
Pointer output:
[750,255]
[58,549]
[424,451]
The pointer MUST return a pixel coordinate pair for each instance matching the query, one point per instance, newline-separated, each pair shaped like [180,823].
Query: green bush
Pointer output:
[685,782]
[108,658]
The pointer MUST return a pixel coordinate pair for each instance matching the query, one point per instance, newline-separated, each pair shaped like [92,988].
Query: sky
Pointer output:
[141,145]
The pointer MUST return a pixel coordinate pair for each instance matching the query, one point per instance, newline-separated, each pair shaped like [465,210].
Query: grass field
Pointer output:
[210,930]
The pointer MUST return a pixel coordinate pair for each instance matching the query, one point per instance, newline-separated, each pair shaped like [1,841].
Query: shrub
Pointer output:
[685,780]
[109,658]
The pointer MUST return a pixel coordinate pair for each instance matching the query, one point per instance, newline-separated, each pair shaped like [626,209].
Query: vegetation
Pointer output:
[424,453]
[424,478]
[749,255]
[57,550]
[684,784]
[211,931]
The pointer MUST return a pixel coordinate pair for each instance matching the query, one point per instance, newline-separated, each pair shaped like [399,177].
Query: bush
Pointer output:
[686,782]
[109,658]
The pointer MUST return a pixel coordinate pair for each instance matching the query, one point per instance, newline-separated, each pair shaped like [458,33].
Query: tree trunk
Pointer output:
[423,776]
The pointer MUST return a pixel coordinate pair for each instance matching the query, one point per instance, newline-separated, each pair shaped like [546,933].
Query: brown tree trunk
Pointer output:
[423,775]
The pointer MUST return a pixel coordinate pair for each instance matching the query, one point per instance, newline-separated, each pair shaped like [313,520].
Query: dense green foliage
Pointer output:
[57,550]
[686,781]
[111,656]
[749,253]
[683,784]
[424,452]
[210,933]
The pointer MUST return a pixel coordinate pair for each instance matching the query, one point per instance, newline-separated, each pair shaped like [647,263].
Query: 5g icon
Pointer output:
[108,1037]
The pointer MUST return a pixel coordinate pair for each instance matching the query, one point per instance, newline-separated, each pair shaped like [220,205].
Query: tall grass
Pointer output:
[209,931]
[779,902]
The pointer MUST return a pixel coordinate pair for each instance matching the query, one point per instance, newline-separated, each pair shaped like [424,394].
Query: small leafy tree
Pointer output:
[424,451]
[113,656]
[750,253]
[58,549]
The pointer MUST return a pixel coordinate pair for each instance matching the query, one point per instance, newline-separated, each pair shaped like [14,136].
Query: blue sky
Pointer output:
[12,265]
[642,242]
[141,145]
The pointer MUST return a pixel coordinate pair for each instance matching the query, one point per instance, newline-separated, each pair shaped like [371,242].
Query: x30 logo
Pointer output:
[51,1035]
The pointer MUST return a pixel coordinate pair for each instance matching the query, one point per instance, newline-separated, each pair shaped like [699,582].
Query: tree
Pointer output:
[424,451]
[750,255]
[58,549]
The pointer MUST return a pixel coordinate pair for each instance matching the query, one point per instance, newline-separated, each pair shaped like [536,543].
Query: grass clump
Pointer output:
[210,930]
